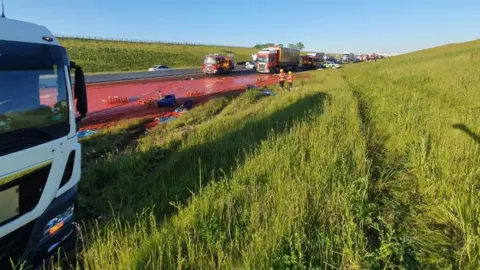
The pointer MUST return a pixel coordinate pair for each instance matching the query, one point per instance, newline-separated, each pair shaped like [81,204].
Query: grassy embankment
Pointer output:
[113,56]
[374,166]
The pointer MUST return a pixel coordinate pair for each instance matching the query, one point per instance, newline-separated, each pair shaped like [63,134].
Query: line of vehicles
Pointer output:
[348,57]
[274,58]
[269,60]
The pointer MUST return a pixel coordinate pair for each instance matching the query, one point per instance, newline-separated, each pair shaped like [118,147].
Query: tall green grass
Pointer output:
[259,182]
[372,167]
[426,108]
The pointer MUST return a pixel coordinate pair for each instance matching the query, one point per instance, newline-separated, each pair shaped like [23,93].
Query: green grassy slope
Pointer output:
[375,166]
[423,113]
[103,56]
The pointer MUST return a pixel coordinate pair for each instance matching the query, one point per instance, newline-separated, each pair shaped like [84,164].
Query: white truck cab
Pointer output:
[39,151]
[348,57]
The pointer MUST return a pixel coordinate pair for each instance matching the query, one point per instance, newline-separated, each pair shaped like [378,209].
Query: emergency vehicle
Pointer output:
[218,64]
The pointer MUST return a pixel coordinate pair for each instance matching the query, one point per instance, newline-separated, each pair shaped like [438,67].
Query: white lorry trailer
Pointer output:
[39,150]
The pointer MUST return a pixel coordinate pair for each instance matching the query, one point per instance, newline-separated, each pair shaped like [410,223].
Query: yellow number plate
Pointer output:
[9,205]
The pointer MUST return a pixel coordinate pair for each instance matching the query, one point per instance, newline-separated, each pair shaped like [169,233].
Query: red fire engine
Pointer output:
[218,64]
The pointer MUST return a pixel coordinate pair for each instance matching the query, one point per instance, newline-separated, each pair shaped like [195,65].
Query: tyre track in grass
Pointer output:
[391,194]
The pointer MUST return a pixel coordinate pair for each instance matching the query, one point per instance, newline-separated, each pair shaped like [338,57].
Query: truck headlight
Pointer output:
[56,223]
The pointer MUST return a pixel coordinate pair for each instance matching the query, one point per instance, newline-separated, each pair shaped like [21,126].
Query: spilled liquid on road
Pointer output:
[102,114]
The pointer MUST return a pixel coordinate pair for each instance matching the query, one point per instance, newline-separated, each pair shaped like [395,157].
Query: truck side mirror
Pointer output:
[80,90]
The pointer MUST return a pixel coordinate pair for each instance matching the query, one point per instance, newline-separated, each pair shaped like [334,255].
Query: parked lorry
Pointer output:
[348,57]
[39,151]
[272,59]
[218,63]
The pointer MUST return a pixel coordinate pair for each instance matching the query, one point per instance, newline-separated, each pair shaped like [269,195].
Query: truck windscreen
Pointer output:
[262,59]
[210,60]
[33,95]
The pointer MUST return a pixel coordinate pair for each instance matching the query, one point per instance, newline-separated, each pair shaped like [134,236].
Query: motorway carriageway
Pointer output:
[101,114]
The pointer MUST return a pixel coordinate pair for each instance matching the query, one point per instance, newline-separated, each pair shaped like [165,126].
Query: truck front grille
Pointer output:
[262,67]
[30,188]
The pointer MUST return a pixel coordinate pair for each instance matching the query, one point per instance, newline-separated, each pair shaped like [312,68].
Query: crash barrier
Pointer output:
[98,78]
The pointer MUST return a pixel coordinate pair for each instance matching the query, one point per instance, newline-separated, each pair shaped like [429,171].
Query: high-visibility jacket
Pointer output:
[281,77]
[290,78]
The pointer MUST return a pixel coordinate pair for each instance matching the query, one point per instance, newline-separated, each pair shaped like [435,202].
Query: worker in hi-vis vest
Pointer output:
[281,78]
[290,79]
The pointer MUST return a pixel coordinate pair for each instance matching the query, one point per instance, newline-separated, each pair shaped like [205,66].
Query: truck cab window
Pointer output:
[33,91]
[32,97]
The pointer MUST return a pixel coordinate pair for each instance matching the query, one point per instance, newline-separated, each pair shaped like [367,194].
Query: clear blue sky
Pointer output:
[330,26]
